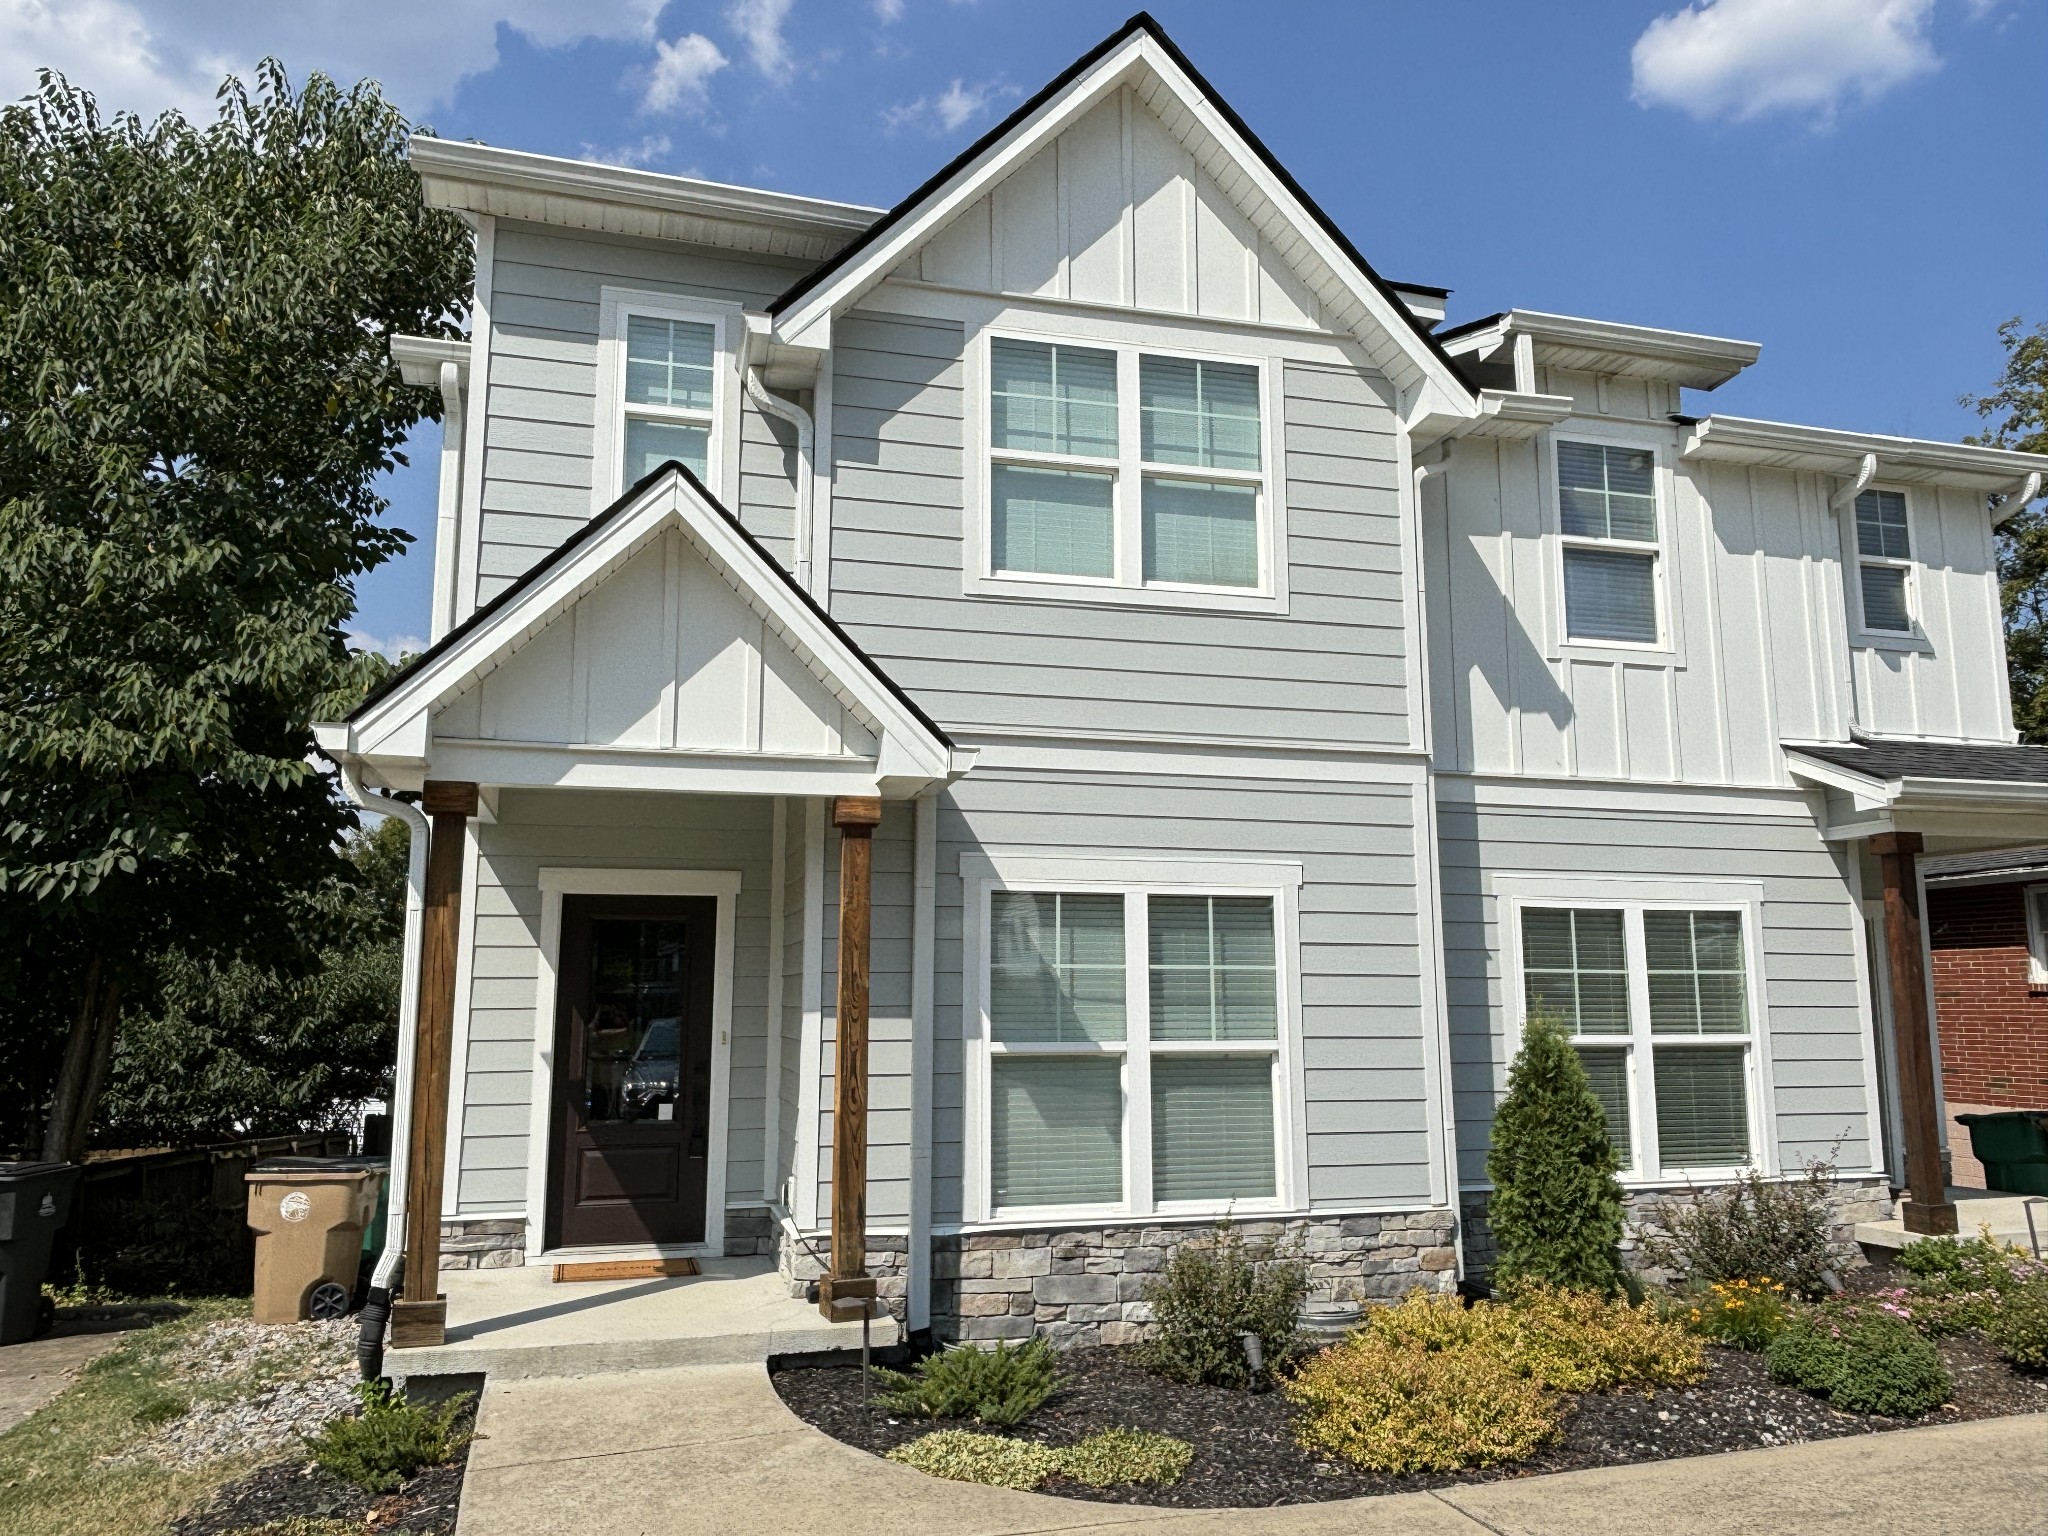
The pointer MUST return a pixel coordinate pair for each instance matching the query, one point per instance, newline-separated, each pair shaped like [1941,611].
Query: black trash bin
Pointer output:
[35,1200]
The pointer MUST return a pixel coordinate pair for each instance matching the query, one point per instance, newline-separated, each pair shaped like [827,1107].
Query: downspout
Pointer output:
[806,465]
[1865,473]
[384,1278]
[448,524]
[2017,498]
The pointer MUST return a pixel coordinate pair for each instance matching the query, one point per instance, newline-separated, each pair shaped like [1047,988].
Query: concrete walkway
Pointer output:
[711,1448]
[36,1370]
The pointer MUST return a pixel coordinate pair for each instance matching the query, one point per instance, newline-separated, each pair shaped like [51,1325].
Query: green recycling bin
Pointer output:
[2013,1147]
[35,1201]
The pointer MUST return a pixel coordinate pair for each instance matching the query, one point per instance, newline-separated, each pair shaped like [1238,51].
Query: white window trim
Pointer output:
[1127,587]
[1633,896]
[615,305]
[981,874]
[2037,936]
[1669,647]
[1861,634]
[557,881]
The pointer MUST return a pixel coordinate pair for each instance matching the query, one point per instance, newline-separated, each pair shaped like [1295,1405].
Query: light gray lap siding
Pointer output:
[1817,1030]
[1363,1023]
[541,402]
[1331,669]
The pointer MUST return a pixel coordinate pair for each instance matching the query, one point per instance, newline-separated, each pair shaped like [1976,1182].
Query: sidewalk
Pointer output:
[711,1447]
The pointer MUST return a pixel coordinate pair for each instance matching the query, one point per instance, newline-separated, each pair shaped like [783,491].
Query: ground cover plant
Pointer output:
[1964,1282]
[1000,1387]
[1214,1291]
[1752,1228]
[1103,1460]
[1862,1355]
[389,1441]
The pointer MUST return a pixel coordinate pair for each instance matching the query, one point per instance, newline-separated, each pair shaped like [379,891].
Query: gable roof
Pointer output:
[672,490]
[868,258]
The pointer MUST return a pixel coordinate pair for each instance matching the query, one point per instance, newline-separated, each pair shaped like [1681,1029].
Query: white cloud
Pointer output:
[173,53]
[958,104]
[393,646]
[887,12]
[655,146]
[759,24]
[681,72]
[1743,59]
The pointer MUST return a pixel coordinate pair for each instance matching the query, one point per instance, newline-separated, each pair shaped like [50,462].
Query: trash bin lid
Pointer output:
[322,1165]
[32,1170]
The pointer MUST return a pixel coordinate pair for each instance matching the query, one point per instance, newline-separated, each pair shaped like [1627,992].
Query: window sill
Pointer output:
[1069,1217]
[1891,640]
[1036,589]
[1618,653]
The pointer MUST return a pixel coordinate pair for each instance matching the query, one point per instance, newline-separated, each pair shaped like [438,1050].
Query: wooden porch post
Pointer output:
[1928,1208]
[420,1314]
[849,1290]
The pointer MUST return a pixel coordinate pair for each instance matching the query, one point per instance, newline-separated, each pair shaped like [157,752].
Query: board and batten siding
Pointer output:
[1365,1070]
[537,828]
[1330,670]
[1813,982]
[540,403]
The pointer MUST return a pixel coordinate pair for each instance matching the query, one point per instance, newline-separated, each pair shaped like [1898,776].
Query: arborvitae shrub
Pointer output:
[1556,1210]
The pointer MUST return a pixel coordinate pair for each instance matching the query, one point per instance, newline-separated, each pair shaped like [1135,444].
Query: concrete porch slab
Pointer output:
[2005,1215]
[512,1324]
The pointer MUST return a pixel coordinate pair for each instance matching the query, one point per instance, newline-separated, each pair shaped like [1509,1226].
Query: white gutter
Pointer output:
[448,525]
[806,464]
[1865,473]
[408,1011]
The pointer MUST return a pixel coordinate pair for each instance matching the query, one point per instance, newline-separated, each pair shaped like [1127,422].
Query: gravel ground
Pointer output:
[256,1387]
[1246,1455]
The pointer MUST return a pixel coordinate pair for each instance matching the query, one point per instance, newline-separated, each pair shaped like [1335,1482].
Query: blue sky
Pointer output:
[1857,184]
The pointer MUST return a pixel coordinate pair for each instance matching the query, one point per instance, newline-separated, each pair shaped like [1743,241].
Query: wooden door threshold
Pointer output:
[626,1269]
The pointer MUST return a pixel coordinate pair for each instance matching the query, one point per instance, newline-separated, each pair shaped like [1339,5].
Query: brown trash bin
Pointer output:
[308,1214]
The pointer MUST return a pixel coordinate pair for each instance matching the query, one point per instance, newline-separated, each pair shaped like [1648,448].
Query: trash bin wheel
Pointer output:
[46,1315]
[328,1301]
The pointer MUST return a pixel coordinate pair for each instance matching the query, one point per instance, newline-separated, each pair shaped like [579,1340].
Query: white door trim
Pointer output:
[557,882]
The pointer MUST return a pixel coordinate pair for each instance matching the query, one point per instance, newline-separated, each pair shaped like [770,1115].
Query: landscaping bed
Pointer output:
[1245,1454]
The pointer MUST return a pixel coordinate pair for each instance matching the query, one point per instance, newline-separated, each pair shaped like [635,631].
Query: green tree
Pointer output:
[1556,1209]
[230,1047]
[196,400]
[2018,412]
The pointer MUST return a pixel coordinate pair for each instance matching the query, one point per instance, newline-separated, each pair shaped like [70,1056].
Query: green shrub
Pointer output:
[1746,1314]
[2020,1325]
[1400,1406]
[968,1457]
[1862,1356]
[1565,1341]
[1961,1283]
[1126,1456]
[1556,1210]
[1102,1460]
[1001,1386]
[390,1440]
[1755,1226]
[1210,1294]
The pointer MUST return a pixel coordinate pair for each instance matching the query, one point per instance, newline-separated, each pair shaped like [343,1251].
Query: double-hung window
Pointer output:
[1133,1049]
[1608,526]
[1884,559]
[664,376]
[1657,1003]
[1114,467]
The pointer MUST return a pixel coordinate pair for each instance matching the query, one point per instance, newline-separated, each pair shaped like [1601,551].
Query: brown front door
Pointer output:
[632,1070]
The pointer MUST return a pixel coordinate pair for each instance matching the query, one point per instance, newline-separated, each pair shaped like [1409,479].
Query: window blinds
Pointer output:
[1212,974]
[1607,1071]
[669,362]
[1057,1131]
[1702,1106]
[1056,968]
[1212,1128]
[1609,595]
[1575,967]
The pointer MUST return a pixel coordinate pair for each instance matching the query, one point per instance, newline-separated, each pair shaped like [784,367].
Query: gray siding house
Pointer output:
[1244,700]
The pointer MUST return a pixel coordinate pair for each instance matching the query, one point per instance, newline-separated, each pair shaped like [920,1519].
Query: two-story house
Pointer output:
[1077,697]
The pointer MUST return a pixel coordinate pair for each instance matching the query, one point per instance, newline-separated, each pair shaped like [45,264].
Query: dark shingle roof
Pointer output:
[2014,861]
[1891,760]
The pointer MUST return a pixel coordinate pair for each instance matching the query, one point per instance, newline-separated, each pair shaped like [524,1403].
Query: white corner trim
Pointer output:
[810,1047]
[557,881]
[468,562]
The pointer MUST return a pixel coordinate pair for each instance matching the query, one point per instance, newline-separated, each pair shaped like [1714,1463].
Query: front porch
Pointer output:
[519,1324]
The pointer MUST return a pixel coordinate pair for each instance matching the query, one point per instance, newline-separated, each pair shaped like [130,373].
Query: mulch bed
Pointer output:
[297,1488]
[1246,1456]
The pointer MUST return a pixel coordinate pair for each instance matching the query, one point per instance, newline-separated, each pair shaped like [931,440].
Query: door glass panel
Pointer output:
[633,1062]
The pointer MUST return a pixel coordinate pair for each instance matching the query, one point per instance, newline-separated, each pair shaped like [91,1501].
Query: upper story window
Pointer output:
[1607,517]
[1657,1003]
[664,389]
[1884,555]
[1122,468]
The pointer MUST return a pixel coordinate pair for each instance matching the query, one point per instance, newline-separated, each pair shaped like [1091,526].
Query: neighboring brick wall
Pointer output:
[1993,1024]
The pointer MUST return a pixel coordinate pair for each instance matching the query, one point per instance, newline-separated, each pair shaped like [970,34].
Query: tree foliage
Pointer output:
[2017,410]
[196,400]
[1556,1210]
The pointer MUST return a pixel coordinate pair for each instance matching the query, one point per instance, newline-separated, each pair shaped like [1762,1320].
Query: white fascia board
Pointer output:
[1825,450]
[446,167]
[1866,790]
[1138,54]
[1678,357]
[419,359]
[1514,414]
[666,501]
